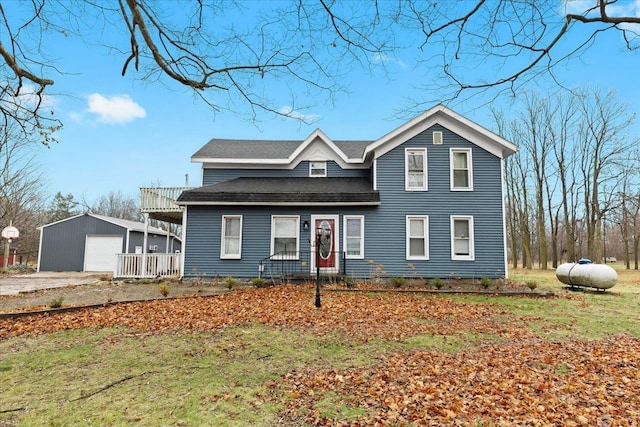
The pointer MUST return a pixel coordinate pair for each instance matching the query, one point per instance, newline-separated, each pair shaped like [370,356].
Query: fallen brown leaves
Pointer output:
[532,382]
[521,380]
[359,317]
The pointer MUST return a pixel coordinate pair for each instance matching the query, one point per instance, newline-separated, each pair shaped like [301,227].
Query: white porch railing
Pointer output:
[161,199]
[157,265]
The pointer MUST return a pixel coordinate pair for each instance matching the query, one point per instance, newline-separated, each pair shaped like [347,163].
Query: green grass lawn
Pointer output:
[234,376]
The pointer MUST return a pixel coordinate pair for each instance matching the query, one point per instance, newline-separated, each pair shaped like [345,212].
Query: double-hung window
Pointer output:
[354,236]
[417,235]
[231,247]
[285,236]
[461,169]
[415,163]
[462,245]
[317,169]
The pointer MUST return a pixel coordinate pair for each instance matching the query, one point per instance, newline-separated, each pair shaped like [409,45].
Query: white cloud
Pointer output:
[579,7]
[379,57]
[614,10]
[115,109]
[28,98]
[290,112]
[576,7]
[383,58]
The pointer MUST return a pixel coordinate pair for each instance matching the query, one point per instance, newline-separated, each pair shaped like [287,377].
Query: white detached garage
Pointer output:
[90,242]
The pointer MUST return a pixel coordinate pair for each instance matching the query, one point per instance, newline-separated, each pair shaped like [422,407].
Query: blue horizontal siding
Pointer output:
[384,224]
[63,243]
[214,176]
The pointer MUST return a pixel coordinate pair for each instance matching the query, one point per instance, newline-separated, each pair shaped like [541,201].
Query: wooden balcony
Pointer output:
[160,203]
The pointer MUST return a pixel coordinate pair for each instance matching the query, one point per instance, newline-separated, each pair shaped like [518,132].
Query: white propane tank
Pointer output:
[586,274]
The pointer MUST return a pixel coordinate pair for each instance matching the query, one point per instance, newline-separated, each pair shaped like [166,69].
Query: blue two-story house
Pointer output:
[425,200]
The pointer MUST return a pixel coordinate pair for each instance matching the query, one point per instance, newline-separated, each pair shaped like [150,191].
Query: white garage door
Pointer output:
[100,252]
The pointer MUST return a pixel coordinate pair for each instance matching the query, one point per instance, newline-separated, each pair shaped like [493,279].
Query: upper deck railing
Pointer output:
[160,199]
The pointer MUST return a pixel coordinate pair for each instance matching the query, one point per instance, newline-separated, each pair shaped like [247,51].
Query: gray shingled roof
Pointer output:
[267,149]
[284,190]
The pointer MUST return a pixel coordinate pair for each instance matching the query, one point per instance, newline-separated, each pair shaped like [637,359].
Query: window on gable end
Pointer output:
[231,246]
[317,169]
[461,169]
[415,161]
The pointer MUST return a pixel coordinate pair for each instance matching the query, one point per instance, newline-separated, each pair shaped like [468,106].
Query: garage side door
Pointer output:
[100,252]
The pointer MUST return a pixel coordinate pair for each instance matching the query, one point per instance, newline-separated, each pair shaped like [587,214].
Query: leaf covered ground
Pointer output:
[505,375]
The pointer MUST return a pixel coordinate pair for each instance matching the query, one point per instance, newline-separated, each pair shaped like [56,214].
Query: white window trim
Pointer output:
[437,137]
[223,248]
[469,168]
[424,186]
[344,243]
[425,218]
[471,256]
[323,168]
[272,249]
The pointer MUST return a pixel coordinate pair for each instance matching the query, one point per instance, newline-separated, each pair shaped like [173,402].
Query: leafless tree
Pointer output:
[517,173]
[561,128]
[245,56]
[115,205]
[577,158]
[537,146]
[515,41]
[22,189]
[604,147]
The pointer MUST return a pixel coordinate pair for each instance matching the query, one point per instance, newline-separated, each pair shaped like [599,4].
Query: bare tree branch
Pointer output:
[251,54]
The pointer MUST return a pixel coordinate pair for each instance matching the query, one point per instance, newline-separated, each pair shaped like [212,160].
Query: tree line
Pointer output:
[31,211]
[572,191]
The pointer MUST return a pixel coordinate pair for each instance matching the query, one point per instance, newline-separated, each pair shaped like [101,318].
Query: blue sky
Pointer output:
[121,134]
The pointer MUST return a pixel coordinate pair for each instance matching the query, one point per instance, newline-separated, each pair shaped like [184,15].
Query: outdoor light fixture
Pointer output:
[305,225]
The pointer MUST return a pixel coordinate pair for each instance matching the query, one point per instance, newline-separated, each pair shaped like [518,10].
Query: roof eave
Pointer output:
[453,121]
[293,203]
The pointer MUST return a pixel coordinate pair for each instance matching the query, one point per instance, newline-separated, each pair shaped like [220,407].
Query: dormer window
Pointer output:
[317,169]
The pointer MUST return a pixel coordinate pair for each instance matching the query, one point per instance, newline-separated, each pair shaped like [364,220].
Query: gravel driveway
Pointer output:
[14,284]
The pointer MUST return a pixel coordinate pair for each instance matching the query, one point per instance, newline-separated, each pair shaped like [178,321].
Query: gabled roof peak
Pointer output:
[289,153]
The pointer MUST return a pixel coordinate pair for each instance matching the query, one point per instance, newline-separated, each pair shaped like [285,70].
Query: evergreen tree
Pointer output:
[62,207]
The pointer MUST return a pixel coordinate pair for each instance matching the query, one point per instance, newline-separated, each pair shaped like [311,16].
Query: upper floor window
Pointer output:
[285,238]
[462,244]
[354,236]
[415,162]
[417,236]
[437,137]
[231,246]
[461,169]
[318,169]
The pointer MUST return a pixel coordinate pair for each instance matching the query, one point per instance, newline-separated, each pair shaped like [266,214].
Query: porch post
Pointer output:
[143,273]
[317,245]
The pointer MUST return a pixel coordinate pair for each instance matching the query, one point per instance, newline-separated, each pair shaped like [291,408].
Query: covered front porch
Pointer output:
[156,204]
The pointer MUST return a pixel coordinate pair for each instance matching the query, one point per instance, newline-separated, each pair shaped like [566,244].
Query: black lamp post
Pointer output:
[318,238]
